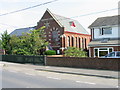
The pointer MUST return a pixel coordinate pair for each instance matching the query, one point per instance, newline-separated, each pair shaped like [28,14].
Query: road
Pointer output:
[16,79]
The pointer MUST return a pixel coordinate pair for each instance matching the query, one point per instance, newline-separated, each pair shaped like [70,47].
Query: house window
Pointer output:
[55,36]
[76,42]
[68,41]
[72,41]
[98,52]
[105,30]
[79,43]
[83,43]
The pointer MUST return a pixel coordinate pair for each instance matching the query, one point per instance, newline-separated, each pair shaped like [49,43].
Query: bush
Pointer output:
[75,52]
[50,52]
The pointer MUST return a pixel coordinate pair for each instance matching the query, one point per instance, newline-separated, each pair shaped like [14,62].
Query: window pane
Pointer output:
[107,30]
[111,54]
[103,53]
[103,49]
[110,49]
[96,52]
[118,54]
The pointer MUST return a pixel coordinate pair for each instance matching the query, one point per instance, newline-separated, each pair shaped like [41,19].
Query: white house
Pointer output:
[105,35]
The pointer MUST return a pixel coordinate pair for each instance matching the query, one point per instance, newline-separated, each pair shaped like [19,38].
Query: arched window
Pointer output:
[72,41]
[83,43]
[76,42]
[79,43]
[68,41]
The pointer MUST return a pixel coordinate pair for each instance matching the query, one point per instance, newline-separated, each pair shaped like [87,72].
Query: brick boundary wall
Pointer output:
[91,63]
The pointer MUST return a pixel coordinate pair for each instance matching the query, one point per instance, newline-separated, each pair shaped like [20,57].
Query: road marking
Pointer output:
[117,86]
[29,87]
[54,78]
[13,71]
[30,74]
[83,76]
[86,82]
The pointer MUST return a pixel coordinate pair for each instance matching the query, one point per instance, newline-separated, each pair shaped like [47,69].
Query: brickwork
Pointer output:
[93,63]
[60,42]
[79,40]
[2,52]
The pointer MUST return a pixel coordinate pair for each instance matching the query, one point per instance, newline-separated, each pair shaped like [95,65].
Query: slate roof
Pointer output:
[105,21]
[65,22]
[19,32]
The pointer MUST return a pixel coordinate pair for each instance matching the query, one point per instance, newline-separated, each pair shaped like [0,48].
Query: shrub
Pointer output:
[75,52]
[50,52]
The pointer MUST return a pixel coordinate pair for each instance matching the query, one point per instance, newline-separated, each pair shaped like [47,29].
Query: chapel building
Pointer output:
[62,32]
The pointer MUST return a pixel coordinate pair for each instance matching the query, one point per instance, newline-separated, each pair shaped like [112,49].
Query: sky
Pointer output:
[84,11]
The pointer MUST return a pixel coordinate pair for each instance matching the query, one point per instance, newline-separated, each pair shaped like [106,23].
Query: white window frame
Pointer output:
[101,31]
[102,50]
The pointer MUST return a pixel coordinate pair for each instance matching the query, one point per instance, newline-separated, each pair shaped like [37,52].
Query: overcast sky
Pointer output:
[67,8]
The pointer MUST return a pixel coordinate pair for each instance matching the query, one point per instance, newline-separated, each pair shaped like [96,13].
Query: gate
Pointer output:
[24,59]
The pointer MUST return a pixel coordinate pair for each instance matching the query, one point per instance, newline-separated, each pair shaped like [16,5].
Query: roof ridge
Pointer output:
[54,17]
[64,22]
[110,16]
[25,28]
[104,21]
[63,16]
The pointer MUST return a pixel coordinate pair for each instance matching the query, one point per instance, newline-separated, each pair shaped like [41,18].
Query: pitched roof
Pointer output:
[105,21]
[65,22]
[101,43]
[19,32]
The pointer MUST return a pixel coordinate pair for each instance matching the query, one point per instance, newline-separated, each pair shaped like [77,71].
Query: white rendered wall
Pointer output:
[113,35]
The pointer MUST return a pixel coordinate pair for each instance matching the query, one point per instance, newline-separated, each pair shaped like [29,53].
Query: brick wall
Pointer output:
[2,52]
[93,63]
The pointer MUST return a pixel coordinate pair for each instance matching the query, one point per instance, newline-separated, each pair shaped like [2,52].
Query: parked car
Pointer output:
[115,54]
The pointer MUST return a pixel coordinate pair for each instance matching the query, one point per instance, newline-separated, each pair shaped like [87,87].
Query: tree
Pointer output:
[0,44]
[29,43]
[75,52]
[6,42]
[38,40]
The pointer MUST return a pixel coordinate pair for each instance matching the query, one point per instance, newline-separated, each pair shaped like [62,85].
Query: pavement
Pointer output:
[66,70]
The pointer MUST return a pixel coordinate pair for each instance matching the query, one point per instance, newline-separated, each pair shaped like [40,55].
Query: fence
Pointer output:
[93,63]
[23,59]
[75,62]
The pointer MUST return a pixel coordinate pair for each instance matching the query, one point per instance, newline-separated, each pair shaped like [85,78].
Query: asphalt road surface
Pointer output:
[14,79]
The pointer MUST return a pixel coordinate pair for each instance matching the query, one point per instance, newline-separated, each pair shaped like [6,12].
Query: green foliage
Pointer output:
[20,52]
[27,44]
[50,52]
[75,52]
[6,42]
[0,44]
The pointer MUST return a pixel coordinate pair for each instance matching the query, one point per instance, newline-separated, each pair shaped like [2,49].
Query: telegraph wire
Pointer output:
[76,16]
[28,8]
[97,12]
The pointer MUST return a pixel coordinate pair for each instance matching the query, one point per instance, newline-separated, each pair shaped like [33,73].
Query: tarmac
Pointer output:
[67,70]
